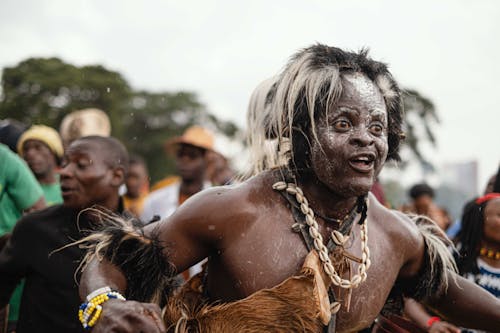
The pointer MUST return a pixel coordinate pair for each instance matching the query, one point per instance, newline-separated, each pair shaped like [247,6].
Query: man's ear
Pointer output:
[118,175]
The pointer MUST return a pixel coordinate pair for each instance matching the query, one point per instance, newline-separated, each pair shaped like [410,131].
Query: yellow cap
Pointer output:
[43,133]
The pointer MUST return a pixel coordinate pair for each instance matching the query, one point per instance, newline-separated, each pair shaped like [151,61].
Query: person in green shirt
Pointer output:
[19,193]
[41,147]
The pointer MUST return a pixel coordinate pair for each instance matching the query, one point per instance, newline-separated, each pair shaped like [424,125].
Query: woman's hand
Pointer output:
[443,327]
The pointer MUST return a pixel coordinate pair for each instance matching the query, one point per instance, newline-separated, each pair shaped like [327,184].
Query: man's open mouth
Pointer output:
[362,163]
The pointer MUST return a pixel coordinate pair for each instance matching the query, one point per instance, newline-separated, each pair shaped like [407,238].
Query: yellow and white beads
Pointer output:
[91,310]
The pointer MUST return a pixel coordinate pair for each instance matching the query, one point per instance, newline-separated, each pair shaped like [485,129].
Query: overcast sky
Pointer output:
[447,50]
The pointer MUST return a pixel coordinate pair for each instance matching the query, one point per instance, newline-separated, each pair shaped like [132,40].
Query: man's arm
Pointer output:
[39,204]
[119,316]
[463,303]
[186,240]
[129,316]
[419,315]
[468,305]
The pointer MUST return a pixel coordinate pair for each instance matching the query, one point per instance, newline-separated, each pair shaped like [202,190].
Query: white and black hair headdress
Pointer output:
[286,107]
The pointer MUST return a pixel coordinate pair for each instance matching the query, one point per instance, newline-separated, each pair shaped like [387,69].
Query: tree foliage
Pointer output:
[420,115]
[44,90]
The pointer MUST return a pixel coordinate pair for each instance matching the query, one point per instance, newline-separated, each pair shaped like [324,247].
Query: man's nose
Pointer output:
[361,137]
[28,152]
[66,171]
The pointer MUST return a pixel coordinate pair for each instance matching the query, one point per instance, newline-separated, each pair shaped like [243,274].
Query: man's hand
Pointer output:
[129,317]
[443,327]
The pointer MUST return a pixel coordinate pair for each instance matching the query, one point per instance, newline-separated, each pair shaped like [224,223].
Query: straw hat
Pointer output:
[83,123]
[195,136]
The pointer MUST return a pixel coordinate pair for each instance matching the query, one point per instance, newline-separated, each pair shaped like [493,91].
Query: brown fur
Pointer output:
[296,305]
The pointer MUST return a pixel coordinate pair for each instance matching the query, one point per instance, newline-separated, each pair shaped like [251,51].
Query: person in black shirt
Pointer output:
[93,169]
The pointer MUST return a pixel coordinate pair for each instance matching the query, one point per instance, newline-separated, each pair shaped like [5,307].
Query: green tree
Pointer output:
[420,116]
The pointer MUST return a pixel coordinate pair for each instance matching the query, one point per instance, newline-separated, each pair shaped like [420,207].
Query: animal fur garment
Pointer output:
[141,258]
[299,304]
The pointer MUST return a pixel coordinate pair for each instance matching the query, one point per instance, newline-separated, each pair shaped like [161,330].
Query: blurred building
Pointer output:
[459,183]
[462,176]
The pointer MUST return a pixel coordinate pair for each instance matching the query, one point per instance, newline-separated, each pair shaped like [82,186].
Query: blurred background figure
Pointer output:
[478,243]
[219,171]
[83,123]
[19,193]
[10,131]
[94,168]
[422,203]
[454,229]
[41,147]
[190,151]
[137,183]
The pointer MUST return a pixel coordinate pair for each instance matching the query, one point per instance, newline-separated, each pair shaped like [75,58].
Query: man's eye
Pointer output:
[82,164]
[376,129]
[341,125]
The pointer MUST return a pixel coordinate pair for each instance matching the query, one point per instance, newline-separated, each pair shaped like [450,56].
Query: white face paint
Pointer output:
[352,137]
[364,87]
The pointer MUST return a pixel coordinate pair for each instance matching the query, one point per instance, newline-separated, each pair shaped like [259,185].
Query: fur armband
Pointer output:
[141,258]
[432,281]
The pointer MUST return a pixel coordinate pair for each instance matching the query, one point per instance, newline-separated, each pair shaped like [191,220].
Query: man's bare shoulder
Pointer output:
[242,195]
[401,231]
[395,224]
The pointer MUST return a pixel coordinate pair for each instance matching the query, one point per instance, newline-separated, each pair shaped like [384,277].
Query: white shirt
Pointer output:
[162,202]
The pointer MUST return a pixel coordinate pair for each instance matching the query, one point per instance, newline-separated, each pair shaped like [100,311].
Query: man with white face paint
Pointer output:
[300,247]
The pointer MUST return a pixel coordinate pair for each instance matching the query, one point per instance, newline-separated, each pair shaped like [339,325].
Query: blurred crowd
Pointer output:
[43,168]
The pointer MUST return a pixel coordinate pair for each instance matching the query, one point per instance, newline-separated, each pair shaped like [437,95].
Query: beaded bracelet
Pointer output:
[91,310]
[97,292]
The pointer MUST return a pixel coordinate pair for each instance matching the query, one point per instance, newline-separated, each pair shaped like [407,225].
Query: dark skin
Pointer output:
[137,179]
[39,204]
[490,184]
[245,230]
[491,230]
[191,165]
[87,178]
[41,161]
[417,313]
[219,171]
